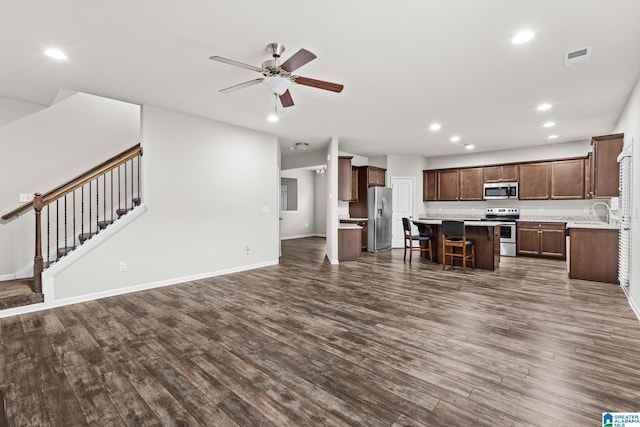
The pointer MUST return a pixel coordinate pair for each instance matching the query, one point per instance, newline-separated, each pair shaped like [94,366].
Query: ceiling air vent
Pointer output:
[577,56]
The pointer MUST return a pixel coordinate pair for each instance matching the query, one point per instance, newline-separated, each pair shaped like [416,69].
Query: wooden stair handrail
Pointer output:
[80,180]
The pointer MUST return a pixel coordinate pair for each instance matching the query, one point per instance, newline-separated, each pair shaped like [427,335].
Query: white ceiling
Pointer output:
[404,65]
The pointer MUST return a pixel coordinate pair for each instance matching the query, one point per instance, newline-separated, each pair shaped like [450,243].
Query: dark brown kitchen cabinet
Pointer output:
[448,184]
[604,165]
[541,239]
[354,184]
[470,184]
[376,177]
[567,179]
[344,178]
[501,173]
[535,180]
[600,265]
[429,185]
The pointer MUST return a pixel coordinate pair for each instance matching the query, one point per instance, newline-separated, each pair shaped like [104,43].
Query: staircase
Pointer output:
[72,214]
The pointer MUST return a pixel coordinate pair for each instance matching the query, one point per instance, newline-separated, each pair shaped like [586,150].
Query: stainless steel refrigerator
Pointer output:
[379,227]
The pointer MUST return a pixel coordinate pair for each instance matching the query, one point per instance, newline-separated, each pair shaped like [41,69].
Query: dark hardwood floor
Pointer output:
[376,342]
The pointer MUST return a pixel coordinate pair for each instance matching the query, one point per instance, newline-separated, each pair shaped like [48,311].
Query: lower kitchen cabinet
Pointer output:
[541,239]
[349,241]
[593,254]
[362,222]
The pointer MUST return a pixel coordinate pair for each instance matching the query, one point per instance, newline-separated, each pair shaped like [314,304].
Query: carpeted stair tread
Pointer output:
[17,293]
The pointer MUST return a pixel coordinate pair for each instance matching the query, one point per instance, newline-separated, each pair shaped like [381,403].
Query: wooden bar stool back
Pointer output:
[456,245]
[409,238]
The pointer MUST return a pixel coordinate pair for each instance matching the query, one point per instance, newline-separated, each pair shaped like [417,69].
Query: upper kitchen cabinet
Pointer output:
[429,186]
[344,178]
[470,184]
[502,173]
[376,177]
[604,165]
[448,184]
[567,179]
[534,183]
[354,183]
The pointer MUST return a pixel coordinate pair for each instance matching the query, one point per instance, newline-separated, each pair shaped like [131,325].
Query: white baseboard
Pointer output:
[301,236]
[4,277]
[632,303]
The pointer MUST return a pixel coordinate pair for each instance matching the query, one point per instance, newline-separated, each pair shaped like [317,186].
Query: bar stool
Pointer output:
[453,237]
[409,238]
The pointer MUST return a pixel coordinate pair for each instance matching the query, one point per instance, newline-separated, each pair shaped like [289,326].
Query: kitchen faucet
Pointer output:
[608,215]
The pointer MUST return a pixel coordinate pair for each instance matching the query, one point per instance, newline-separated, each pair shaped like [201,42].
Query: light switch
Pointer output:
[25,197]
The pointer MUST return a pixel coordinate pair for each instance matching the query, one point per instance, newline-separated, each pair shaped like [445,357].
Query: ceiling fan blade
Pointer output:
[236,63]
[286,99]
[240,86]
[300,58]
[320,84]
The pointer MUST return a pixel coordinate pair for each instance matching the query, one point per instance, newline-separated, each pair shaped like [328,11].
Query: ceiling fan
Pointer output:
[277,75]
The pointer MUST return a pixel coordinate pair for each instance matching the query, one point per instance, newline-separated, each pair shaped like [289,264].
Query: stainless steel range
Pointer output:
[507,218]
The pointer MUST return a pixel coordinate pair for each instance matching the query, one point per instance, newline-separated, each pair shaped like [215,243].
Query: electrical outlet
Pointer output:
[123,266]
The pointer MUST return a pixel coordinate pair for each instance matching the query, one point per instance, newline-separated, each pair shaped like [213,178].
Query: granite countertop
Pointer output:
[595,225]
[354,219]
[349,226]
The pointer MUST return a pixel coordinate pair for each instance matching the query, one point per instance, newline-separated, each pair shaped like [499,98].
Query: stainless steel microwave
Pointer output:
[500,190]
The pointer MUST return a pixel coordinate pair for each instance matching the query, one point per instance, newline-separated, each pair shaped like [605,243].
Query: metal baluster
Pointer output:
[48,233]
[74,217]
[104,197]
[90,206]
[111,173]
[125,186]
[97,203]
[82,210]
[66,243]
[57,230]
[119,205]
[132,205]
[139,195]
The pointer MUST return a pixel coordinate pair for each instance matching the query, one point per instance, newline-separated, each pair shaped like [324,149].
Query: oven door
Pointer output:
[508,239]
[508,232]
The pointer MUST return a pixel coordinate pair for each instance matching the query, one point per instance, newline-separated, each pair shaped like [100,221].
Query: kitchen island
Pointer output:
[486,235]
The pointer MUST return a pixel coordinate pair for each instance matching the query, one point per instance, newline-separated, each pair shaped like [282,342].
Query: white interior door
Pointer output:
[403,205]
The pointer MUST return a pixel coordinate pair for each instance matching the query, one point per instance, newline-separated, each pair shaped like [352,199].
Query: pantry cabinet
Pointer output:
[605,169]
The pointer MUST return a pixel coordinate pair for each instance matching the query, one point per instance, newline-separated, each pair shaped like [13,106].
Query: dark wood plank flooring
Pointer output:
[376,342]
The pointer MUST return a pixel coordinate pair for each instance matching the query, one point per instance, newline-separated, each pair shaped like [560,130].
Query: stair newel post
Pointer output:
[38,204]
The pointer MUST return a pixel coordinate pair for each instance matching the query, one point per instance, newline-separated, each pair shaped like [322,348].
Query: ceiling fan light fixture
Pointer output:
[277,85]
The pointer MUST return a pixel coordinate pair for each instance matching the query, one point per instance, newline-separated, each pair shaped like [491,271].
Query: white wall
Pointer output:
[332,201]
[13,109]
[629,124]
[321,197]
[541,152]
[300,222]
[210,189]
[51,146]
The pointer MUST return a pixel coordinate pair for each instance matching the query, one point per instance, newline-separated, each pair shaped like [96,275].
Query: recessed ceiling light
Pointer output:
[435,126]
[55,54]
[549,125]
[454,138]
[522,37]
[273,118]
[543,107]
[552,136]
[469,146]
